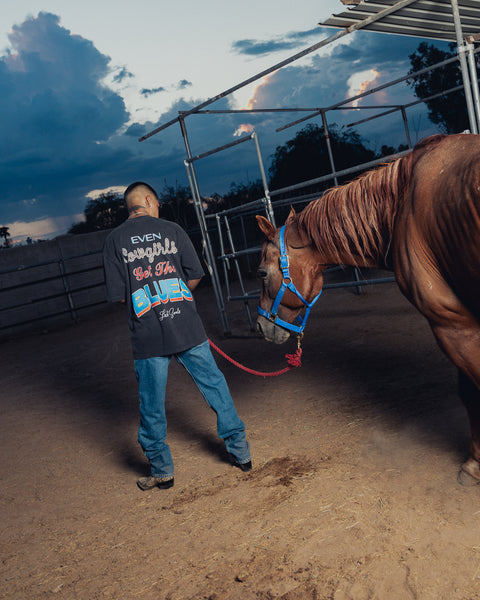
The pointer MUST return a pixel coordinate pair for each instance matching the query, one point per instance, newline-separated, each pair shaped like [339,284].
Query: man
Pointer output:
[151,265]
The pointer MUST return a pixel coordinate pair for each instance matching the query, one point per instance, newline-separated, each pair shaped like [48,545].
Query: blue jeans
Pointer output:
[152,375]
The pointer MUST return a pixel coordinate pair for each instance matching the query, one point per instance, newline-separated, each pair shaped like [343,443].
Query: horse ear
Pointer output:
[291,215]
[297,237]
[267,228]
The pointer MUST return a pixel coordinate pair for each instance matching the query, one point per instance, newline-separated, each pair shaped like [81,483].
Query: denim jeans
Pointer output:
[152,375]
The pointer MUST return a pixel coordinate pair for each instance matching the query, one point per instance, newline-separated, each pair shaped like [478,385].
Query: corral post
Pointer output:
[461,49]
[210,258]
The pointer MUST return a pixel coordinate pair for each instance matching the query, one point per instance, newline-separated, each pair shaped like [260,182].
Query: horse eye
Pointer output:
[261,273]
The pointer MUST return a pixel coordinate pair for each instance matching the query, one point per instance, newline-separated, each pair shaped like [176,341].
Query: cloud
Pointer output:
[111,189]
[243,128]
[289,41]
[184,83]
[151,91]
[56,119]
[122,74]
[41,228]
[360,82]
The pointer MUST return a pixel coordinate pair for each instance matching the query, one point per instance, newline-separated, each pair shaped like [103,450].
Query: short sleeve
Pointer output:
[114,273]
[191,265]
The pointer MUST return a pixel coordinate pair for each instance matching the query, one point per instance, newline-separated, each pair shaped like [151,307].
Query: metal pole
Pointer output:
[66,286]
[474,80]
[461,49]
[329,147]
[267,201]
[210,258]
[225,261]
[405,122]
[245,241]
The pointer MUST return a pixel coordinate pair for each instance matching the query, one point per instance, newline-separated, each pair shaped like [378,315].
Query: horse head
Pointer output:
[290,282]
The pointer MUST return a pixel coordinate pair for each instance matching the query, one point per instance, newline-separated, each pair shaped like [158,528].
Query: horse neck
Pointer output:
[353,224]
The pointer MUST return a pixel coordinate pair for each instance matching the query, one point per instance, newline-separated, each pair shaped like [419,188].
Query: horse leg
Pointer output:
[460,342]
[470,396]
[455,328]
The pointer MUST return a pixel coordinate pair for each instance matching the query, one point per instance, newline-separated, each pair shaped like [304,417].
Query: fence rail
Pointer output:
[58,287]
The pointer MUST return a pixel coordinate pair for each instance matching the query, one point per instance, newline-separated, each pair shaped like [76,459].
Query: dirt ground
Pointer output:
[353,495]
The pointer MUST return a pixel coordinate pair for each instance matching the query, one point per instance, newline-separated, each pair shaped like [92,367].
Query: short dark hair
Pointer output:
[136,184]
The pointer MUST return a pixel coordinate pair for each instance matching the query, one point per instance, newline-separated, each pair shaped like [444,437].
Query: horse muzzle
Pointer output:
[271,332]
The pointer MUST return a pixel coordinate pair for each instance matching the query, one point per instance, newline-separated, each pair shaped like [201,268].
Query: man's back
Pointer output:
[148,262]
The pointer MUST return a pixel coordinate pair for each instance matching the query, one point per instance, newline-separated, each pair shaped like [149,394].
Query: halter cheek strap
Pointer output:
[287,284]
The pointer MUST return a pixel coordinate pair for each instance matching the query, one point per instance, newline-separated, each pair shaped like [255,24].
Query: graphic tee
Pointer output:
[148,262]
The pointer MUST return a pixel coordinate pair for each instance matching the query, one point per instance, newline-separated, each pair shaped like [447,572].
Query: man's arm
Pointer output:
[192,283]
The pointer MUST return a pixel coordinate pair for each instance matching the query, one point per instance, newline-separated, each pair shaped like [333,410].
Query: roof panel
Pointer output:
[424,18]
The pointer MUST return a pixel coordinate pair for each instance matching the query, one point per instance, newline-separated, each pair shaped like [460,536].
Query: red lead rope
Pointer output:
[294,360]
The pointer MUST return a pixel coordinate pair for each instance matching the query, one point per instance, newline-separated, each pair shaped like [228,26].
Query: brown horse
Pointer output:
[418,216]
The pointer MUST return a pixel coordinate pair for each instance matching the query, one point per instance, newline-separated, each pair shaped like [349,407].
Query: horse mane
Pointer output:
[356,220]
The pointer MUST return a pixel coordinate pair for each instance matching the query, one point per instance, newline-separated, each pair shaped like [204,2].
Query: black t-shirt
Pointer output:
[148,262]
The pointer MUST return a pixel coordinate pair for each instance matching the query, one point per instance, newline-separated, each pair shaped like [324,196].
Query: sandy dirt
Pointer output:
[353,496]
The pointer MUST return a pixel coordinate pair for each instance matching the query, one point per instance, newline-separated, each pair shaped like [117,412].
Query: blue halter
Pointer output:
[287,284]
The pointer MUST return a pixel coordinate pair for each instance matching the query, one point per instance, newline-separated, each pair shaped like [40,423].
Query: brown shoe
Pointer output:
[148,483]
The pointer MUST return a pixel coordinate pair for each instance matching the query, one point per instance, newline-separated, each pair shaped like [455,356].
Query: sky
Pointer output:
[81,82]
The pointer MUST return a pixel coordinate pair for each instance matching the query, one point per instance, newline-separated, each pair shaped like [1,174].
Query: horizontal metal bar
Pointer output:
[359,283]
[59,276]
[235,209]
[348,171]
[274,110]
[328,286]
[252,250]
[48,262]
[52,296]
[409,105]
[245,138]
[51,315]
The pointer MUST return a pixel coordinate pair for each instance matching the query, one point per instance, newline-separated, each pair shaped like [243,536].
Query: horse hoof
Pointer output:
[466,479]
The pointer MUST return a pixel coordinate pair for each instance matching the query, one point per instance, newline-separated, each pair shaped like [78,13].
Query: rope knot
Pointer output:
[295,360]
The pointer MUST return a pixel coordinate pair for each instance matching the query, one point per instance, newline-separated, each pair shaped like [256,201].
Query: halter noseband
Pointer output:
[287,284]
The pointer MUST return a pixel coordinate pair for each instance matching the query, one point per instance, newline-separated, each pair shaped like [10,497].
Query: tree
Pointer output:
[5,234]
[449,111]
[176,205]
[306,156]
[105,212]
[241,193]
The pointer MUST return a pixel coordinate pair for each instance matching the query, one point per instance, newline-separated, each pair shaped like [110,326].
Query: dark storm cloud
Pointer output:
[183,84]
[56,117]
[151,91]
[290,41]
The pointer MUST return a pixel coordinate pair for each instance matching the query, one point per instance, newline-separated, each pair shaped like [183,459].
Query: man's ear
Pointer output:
[267,228]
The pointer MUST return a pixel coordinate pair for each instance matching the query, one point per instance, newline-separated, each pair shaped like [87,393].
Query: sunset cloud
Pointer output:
[243,128]
[361,82]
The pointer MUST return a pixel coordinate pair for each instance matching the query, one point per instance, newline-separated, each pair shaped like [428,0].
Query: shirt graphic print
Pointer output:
[148,262]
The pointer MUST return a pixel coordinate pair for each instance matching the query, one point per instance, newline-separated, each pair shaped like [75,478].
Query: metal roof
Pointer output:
[432,19]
